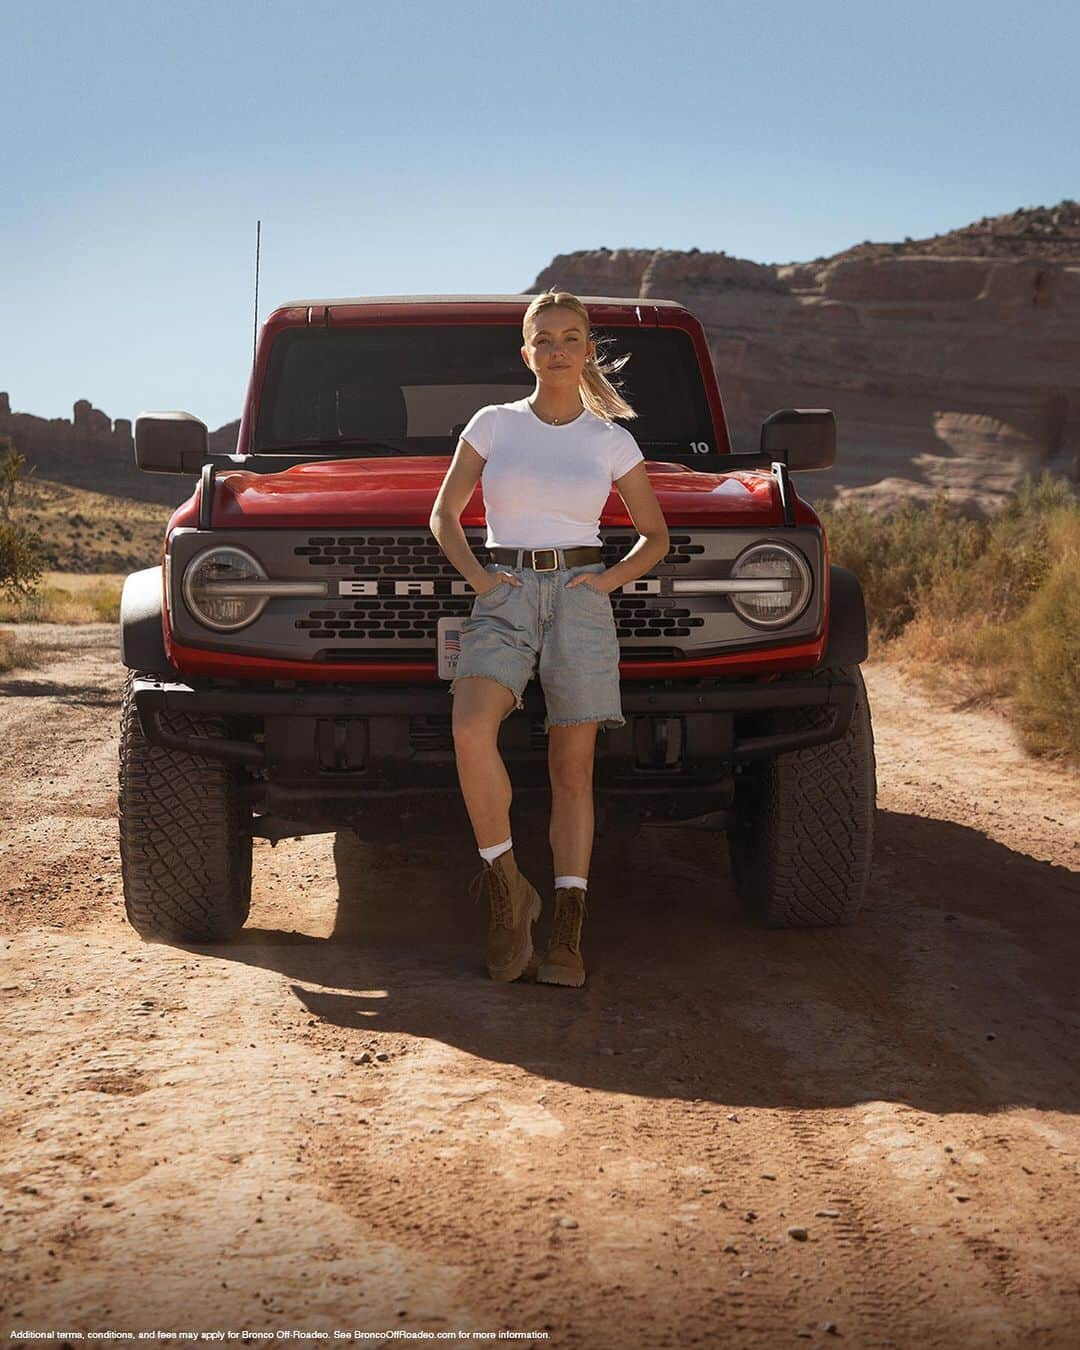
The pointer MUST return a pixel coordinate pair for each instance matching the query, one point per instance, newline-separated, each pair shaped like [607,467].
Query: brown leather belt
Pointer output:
[546,559]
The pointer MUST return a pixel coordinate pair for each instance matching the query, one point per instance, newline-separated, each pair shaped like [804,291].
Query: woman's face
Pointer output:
[557,346]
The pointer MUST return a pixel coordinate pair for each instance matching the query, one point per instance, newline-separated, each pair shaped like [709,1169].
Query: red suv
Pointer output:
[289,660]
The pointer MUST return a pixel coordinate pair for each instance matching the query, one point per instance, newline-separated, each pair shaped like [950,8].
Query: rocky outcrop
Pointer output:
[95,451]
[951,363]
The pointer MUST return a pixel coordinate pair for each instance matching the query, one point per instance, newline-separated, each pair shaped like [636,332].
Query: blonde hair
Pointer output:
[598,393]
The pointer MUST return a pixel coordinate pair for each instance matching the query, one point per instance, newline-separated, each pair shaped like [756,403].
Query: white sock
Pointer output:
[571,881]
[490,853]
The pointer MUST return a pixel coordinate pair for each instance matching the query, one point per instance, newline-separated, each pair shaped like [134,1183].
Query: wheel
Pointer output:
[185,834]
[803,834]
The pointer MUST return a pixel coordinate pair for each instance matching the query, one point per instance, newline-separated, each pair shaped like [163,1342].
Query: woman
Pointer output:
[548,463]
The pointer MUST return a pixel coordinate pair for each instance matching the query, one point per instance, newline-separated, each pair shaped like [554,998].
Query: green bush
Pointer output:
[20,547]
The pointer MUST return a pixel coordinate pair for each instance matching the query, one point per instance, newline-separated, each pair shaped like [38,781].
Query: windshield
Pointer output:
[412,387]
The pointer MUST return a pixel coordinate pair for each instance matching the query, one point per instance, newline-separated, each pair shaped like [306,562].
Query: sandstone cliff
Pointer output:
[951,363]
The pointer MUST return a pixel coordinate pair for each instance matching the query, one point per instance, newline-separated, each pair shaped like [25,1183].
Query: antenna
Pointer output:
[255,335]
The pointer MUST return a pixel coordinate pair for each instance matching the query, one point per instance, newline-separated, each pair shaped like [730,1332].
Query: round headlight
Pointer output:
[214,588]
[784,589]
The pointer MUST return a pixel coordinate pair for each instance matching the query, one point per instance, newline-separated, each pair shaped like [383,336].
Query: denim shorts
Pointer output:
[569,633]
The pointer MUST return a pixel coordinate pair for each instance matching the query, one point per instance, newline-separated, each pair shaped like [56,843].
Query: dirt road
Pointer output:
[338,1122]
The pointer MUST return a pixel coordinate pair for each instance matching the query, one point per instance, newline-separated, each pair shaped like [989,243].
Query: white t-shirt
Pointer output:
[545,486]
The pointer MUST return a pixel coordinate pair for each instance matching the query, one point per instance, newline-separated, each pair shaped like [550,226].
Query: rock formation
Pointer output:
[951,363]
[94,451]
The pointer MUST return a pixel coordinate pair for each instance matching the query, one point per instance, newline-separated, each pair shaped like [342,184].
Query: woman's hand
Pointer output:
[496,577]
[592,579]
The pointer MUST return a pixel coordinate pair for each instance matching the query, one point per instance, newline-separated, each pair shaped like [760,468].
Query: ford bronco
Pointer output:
[288,662]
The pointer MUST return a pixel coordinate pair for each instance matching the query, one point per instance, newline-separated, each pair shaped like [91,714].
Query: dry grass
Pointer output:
[90,532]
[989,610]
[16,653]
[68,597]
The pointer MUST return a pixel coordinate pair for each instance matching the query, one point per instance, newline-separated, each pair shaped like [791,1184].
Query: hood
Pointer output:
[346,494]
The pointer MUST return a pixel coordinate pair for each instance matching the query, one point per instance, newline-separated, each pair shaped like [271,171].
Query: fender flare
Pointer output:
[142,642]
[847,642]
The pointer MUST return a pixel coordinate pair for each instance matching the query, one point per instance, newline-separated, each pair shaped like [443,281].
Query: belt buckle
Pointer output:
[554,559]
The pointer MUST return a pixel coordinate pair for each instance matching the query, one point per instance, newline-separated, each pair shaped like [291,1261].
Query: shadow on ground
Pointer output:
[954,991]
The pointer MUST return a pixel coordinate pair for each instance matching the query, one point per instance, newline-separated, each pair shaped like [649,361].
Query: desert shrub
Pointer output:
[1045,648]
[897,554]
[20,547]
[994,602]
[16,653]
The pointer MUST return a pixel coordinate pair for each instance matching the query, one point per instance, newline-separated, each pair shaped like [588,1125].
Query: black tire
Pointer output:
[803,834]
[185,835]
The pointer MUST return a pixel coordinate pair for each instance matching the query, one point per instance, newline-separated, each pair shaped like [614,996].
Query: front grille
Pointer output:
[412,618]
[376,554]
[388,587]
[389,617]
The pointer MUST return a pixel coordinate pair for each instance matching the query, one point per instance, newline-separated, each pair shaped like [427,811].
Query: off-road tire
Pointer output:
[803,834]
[185,834]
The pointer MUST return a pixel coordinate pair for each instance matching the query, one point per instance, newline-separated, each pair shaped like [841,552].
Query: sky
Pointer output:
[393,148]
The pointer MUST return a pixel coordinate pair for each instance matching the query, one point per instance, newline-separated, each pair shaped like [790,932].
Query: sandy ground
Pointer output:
[339,1123]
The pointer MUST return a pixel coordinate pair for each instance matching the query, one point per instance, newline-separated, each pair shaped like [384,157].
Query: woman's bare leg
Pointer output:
[571,751]
[479,705]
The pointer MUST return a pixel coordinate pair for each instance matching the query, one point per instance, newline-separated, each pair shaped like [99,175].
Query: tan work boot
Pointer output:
[562,963]
[515,907]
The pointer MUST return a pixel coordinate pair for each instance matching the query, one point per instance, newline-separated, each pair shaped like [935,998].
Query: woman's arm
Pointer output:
[454,495]
[644,510]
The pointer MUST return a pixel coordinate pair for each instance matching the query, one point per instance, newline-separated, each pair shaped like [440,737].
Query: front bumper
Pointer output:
[376,740]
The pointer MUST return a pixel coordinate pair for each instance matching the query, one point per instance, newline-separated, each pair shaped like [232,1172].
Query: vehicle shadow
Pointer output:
[103,696]
[954,991]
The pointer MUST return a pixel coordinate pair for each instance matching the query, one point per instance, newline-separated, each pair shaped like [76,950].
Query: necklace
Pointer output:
[558,421]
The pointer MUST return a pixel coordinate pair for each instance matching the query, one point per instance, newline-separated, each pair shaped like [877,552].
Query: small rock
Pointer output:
[831,1328]
[799,1234]
[604,1050]
[826,1214]
[733,1116]
[365,1058]
[567,1222]
[990,1036]
[382,1056]
[730,1247]
[768,1176]
[750,1215]
[745,1275]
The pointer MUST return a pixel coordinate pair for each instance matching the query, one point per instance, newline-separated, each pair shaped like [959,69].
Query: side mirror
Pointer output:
[170,442]
[804,438]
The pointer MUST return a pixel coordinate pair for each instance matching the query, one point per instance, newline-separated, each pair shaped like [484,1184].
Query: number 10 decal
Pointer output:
[699,447]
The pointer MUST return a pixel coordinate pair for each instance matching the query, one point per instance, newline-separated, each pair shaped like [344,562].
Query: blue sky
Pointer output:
[457,147]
